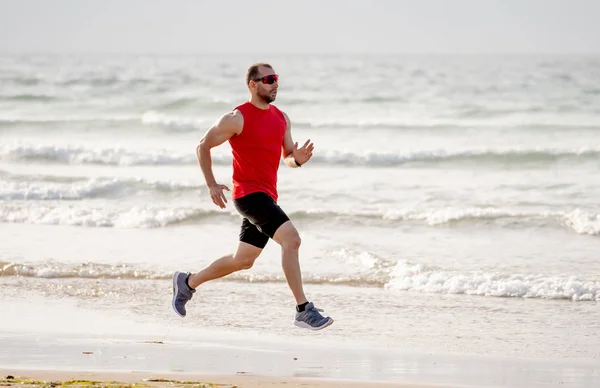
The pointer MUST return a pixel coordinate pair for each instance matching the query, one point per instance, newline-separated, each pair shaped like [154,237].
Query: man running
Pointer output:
[259,135]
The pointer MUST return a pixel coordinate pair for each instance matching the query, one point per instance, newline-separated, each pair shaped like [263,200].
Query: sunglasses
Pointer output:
[268,79]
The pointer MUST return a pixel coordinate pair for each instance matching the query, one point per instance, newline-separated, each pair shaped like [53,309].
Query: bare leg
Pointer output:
[243,258]
[287,236]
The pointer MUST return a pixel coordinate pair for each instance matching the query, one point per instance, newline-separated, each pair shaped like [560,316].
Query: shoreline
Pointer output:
[266,361]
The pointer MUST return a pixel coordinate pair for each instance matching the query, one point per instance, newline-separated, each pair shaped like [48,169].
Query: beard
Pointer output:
[267,97]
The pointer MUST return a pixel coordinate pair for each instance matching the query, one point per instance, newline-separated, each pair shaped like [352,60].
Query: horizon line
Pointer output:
[316,53]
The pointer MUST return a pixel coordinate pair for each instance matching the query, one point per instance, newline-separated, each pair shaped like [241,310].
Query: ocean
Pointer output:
[451,205]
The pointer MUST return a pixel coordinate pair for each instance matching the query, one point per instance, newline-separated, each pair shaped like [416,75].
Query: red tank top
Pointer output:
[257,151]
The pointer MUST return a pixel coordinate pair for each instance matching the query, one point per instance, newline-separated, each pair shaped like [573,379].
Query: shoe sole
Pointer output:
[305,325]
[175,292]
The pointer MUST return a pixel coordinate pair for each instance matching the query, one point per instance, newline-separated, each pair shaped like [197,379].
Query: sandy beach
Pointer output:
[36,378]
[246,361]
[209,359]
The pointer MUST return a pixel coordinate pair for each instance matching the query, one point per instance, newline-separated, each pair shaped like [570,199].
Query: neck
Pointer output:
[259,103]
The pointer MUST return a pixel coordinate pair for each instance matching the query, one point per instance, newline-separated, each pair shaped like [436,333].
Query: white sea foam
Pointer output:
[183,124]
[76,215]
[401,277]
[119,155]
[74,154]
[425,120]
[440,216]
[420,278]
[88,188]
[32,211]
[583,222]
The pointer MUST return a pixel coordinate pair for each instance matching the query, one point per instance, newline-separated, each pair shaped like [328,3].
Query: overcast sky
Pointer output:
[300,26]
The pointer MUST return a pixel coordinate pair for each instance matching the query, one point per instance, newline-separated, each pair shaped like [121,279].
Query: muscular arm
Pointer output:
[229,125]
[290,151]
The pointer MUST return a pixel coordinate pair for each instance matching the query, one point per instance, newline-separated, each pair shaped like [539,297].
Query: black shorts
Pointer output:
[262,218]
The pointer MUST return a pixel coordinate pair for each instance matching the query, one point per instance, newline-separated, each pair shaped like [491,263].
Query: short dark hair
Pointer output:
[253,71]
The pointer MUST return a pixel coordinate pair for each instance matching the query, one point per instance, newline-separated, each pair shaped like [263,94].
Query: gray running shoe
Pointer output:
[311,318]
[181,292]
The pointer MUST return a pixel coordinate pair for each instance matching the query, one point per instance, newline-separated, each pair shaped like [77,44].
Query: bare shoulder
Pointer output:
[231,122]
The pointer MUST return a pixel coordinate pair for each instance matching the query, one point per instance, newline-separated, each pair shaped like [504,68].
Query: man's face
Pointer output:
[266,84]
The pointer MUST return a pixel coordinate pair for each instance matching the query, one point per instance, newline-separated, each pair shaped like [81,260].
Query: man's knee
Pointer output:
[246,255]
[287,236]
[245,262]
[293,242]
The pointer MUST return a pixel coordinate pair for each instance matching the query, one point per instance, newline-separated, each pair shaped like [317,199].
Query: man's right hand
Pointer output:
[217,195]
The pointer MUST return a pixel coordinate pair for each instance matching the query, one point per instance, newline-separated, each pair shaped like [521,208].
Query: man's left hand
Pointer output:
[304,153]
